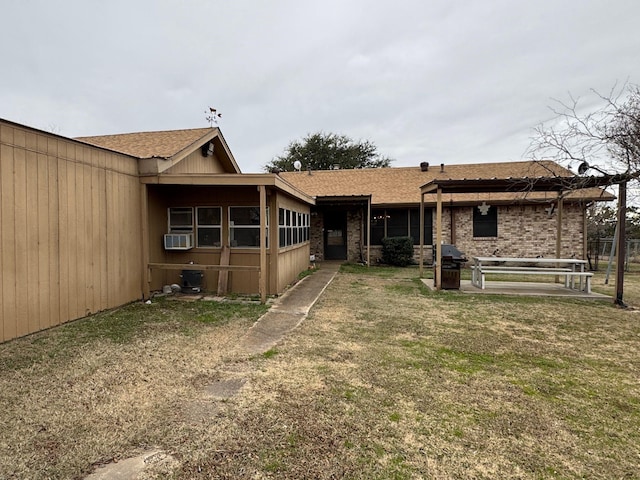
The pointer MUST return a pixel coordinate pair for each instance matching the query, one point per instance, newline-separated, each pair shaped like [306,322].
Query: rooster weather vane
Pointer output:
[212,116]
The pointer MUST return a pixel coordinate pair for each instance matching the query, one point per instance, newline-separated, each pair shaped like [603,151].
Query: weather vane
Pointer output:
[212,116]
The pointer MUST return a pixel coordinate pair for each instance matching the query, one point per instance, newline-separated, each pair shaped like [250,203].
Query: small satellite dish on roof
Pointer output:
[297,165]
[583,167]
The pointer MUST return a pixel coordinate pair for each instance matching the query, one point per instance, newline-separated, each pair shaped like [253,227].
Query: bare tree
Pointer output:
[606,139]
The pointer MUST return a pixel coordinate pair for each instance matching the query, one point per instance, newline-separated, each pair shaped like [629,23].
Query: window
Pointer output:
[180,220]
[397,223]
[414,222]
[485,221]
[244,226]
[400,222]
[377,226]
[293,227]
[282,227]
[209,227]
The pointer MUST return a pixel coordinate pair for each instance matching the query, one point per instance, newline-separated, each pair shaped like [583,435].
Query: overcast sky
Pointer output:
[425,80]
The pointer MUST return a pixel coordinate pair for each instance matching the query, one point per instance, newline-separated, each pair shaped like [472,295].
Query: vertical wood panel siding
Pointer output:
[291,263]
[196,163]
[69,230]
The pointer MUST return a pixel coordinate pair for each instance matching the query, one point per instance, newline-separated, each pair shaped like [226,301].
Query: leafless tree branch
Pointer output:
[607,138]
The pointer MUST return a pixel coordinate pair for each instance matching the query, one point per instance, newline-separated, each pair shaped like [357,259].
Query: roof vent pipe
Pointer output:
[424,166]
[442,167]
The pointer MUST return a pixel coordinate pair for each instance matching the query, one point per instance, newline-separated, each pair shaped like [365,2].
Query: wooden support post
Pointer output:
[438,259]
[559,232]
[262,279]
[223,275]
[559,228]
[622,251]
[452,219]
[144,226]
[584,235]
[369,232]
[421,234]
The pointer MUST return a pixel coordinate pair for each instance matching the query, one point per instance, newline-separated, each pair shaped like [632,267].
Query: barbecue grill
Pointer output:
[452,261]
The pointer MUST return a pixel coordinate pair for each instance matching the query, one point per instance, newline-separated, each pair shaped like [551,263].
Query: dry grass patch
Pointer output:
[383,380]
[106,387]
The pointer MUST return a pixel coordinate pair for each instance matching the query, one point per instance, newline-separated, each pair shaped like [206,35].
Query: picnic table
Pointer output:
[570,268]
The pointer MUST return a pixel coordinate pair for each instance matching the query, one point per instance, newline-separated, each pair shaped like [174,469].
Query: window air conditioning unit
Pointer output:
[178,241]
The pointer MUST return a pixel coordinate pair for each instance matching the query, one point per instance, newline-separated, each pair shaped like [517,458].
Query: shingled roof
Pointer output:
[401,186]
[161,144]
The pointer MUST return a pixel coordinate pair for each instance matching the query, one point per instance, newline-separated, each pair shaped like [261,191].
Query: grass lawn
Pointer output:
[383,380]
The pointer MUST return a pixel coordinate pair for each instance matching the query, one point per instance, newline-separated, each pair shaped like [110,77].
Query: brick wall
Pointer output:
[355,236]
[523,231]
[316,235]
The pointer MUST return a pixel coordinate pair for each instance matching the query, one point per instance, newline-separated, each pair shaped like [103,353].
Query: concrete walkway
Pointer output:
[288,311]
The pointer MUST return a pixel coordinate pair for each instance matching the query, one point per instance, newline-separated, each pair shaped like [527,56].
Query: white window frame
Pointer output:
[200,226]
[232,226]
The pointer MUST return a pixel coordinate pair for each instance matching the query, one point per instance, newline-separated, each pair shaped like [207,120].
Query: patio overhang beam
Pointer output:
[522,184]
[269,180]
[343,200]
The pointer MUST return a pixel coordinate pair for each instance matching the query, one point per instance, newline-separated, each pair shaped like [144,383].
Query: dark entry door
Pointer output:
[335,235]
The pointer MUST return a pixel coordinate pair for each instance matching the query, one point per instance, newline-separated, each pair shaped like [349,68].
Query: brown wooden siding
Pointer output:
[69,230]
[196,163]
[290,263]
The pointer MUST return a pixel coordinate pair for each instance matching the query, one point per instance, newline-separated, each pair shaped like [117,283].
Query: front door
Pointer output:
[335,235]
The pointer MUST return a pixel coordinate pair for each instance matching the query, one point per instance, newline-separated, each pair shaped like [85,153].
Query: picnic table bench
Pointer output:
[573,269]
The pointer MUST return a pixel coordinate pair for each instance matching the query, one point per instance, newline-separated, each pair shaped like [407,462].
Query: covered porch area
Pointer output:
[340,226]
[241,233]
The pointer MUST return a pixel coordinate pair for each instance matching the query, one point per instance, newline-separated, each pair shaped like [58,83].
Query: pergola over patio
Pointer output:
[522,185]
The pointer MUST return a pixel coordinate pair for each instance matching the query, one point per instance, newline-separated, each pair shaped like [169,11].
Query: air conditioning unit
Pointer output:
[178,241]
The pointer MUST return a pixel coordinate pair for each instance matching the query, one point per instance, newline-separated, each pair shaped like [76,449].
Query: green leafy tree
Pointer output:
[325,151]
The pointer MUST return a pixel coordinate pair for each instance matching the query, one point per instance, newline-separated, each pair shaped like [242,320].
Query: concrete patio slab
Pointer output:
[531,289]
